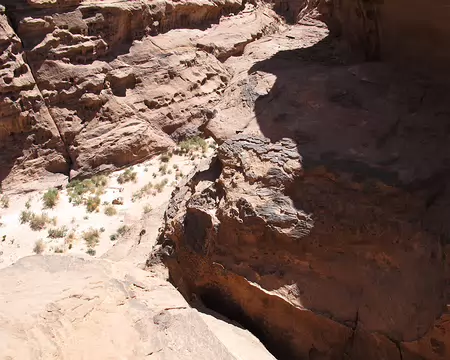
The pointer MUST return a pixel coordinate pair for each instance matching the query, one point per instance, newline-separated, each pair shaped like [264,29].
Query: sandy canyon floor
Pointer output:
[74,229]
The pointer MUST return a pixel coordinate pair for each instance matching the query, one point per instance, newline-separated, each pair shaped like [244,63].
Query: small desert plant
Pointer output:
[59,250]
[163,169]
[165,157]
[146,169]
[77,189]
[113,237]
[70,238]
[160,186]
[155,175]
[194,143]
[91,252]
[124,229]
[102,229]
[110,210]
[39,222]
[4,201]
[93,203]
[145,190]
[147,209]
[50,198]
[91,237]
[57,233]
[100,180]
[127,176]
[39,247]
[28,204]
[25,216]
[85,217]
[175,166]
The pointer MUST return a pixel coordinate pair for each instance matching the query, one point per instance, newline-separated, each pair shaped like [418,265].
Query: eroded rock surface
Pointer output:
[318,266]
[118,84]
[70,308]
[30,146]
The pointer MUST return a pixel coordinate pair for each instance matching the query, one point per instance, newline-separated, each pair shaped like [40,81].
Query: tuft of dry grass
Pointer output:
[39,222]
[4,201]
[57,233]
[39,247]
[110,210]
[91,237]
[50,198]
[93,203]
[127,176]
[148,209]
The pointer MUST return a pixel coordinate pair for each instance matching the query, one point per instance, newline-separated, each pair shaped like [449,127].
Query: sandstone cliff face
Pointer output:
[317,266]
[118,85]
[30,146]
[413,34]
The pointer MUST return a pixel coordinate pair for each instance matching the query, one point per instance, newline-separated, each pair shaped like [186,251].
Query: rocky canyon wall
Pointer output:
[114,84]
[319,267]
[413,34]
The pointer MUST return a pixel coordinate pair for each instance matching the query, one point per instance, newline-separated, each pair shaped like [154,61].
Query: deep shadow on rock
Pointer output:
[341,250]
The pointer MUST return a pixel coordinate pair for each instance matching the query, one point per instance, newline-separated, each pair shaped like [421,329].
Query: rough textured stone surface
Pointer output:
[70,308]
[118,84]
[318,266]
[30,146]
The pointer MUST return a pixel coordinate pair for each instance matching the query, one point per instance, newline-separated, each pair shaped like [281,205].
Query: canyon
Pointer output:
[316,229]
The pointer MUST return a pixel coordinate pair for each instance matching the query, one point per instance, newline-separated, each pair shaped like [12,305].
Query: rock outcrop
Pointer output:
[118,84]
[30,146]
[317,265]
[58,307]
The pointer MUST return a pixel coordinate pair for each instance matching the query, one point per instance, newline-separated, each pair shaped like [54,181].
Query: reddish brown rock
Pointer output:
[316,265]
[121,90]
[30,145]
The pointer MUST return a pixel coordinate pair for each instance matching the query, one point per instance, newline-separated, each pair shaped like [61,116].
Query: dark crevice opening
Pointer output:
[217,300]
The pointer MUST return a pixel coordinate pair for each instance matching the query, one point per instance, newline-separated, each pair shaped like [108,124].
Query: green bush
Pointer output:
[192,144]
[50,198]
[77,190]
[113,237]
[91,252]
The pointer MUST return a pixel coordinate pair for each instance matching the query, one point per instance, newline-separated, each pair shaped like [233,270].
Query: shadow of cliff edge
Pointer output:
[374,139]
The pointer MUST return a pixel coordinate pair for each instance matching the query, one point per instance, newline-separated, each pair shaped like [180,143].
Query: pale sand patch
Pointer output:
[20,239]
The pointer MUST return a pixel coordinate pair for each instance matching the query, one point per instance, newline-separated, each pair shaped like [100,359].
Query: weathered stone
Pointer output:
[316,268]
